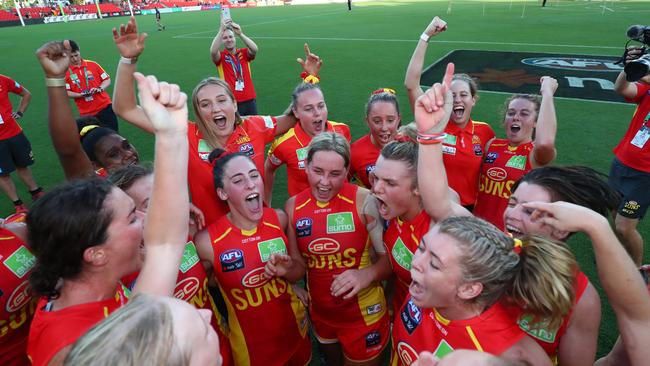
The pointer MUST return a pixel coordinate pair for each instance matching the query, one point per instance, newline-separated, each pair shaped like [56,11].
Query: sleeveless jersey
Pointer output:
[16,303]
[364,156]
[462,154]
[250,137]
[401,240]
[332,239]
[416,330]
[549,339]
[52,331]
[502,167]
[267,321]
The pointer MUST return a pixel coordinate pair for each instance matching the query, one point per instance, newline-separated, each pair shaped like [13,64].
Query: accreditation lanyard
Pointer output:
[234,62]
[643,134]
[75,78]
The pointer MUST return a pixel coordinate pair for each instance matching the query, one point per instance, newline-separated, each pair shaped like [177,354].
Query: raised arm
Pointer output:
[620,278]
[53,57]
[414,69]
[130,44]
[432,111]
[165,230]
[252,47]
[217,42]
[544,151]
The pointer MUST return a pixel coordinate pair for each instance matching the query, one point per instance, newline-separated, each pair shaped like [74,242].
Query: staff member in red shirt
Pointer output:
[233,64]
[86,83]
[15,150]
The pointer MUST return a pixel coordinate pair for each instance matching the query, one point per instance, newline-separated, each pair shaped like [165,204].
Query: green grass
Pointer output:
[363,50]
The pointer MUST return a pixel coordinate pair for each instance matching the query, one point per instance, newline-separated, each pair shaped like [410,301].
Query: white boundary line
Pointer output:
[337,39]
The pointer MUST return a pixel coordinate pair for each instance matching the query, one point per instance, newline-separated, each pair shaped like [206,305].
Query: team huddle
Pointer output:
[431,243]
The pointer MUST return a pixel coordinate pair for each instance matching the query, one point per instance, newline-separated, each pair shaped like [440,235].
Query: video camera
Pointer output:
[636,69]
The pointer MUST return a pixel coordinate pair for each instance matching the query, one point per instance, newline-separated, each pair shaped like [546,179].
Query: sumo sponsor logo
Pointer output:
[20,261]
[411,316]
[530,325]
[573,63]
[231,260]
[323,246]
[340,223]
[303,227]
[373,340]
[269,247]
[406,353]
[187,288]
[255,278]
[497,174]
[18,298]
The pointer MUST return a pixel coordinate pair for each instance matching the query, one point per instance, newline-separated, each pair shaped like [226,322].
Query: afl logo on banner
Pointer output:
[573,63]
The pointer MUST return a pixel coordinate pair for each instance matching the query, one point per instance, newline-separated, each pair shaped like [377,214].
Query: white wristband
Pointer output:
[54,82]
[424,37]
[128,61]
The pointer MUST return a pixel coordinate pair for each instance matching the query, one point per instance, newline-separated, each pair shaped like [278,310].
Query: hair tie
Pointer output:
[399,137]
[518,246]
[87,129]
[214,159]
[383,90]
[309,79]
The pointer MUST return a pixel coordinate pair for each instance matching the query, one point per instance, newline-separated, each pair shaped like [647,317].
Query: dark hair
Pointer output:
[123,178]
[382,97]
[219,158]
[90,133]
[579,185]
[74,47]
[61,226]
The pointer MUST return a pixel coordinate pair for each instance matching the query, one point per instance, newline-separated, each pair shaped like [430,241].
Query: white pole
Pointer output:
[449,7]
[483,9]
[99,11]
[510,8]
[524,11]
[604,6]
[130,7]
[20,16]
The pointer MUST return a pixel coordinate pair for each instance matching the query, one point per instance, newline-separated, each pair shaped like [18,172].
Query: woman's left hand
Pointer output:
[349,283]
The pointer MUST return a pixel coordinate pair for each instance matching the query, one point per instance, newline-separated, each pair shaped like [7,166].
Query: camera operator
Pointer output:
[630,170]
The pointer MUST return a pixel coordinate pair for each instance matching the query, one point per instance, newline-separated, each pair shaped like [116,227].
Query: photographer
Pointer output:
[630,170]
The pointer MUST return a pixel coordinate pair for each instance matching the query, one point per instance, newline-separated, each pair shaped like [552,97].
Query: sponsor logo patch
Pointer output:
[20,261]
[402,255]
[231,260]
[538,330]
[247,149]
[269,247]
[448,150]
[373,340]
[303,227]
[491,157]
[190,257]
[373,309]
[443,349]
[411,316]
[517,162]
[450,140]
[340,223]
[478,150]
[268,122]
[301,154]
[406,353]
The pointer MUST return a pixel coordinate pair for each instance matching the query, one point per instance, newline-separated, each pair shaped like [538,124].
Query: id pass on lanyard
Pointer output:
[643,134]
[234,62]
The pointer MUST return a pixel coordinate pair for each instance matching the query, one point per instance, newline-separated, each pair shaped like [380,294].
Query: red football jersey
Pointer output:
[416,330]
[267,321]
[8,125]
[364,156]
[502,167]
[401,240]
[86,76]
[236,67]
[632,152]
[462,155]
[291,149]
[250,137]
[332,239]
[16,303]
[52,331]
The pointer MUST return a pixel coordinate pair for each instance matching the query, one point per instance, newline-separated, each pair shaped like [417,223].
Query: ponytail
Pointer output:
[543,282]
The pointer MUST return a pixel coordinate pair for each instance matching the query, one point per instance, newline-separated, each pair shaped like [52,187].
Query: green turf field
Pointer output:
[363,50]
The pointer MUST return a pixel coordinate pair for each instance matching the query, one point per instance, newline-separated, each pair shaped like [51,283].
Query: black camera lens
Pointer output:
[638,68]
